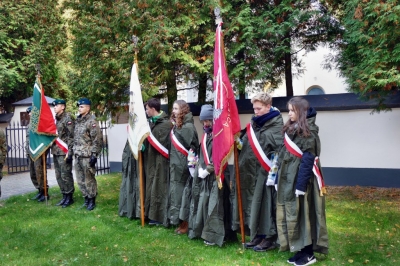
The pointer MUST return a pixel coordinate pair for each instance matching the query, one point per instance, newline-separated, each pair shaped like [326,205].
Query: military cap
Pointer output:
[83,101]
[58,101]
[29,109]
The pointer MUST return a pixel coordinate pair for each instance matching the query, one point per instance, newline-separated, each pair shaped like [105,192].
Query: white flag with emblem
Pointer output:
[138,128]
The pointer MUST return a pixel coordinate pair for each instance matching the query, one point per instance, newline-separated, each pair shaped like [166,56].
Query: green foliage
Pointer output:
[266,36]
[31,32]
[370,57]
[362,222]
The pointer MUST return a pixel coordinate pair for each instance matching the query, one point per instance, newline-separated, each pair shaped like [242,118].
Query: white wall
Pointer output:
[117,137]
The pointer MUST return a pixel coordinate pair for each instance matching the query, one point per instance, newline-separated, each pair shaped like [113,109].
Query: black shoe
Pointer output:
[43,198]
[37,196]
[86,203]
[257,240]
[305,260]
[152,222]
[297,256]
[68,201]
[265,245]
[61,202]
[92,204]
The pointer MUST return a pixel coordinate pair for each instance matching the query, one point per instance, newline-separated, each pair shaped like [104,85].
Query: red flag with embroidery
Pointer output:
[226,116]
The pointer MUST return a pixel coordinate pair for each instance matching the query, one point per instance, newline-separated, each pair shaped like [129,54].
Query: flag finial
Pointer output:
[217,13]
[37,68]
[135,40]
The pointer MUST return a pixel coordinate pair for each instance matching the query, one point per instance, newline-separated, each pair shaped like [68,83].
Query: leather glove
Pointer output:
[93,161]
[69,159]
[203,173]
[191,171]
[299,193]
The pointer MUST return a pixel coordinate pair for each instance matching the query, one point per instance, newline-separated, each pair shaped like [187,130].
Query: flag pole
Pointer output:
[37,67]
[141,178]
[239,193]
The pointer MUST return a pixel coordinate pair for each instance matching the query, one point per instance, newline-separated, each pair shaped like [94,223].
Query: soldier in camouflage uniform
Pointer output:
[3,153]
[87,146]
[35,167]
[62,158]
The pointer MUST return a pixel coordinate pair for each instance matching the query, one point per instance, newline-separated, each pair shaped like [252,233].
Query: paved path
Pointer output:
[18,184]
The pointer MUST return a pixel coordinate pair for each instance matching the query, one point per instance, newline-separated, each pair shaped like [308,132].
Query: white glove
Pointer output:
[203,173]
[270,182]
[299,193]
[191,171]
[276,187]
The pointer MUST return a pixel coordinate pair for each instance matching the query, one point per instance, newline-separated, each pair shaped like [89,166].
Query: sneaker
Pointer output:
[152,222]
[305,260]
[297,256]
[265,245]
[257,240]
[209,243]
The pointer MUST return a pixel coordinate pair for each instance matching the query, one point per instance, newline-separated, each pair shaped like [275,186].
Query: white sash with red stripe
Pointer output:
[204,149]
[157,145]
[178,145]
[62,145]
[295,150]
[258,151]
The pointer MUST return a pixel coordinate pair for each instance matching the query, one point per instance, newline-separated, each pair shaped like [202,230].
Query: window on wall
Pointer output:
[315,90]
[24,118]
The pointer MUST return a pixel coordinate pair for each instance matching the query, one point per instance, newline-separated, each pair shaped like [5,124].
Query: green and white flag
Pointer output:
[43,130]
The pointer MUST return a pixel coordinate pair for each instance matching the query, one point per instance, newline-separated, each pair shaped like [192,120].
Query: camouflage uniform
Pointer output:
[63,168]
[35,167]
[3,153]
[87,142]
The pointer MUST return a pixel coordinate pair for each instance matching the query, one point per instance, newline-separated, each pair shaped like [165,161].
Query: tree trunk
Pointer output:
[202,94]
[288,68]
[171,89]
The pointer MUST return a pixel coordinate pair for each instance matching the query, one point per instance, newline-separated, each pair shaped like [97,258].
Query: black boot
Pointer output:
[86,203]
[43,198]
[37,195]
[61,202]
[68,201]
[92,204]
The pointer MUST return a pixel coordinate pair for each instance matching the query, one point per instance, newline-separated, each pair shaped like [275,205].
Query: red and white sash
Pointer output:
[258,151]
[178,145]
[62,145]
[295,150]
[158,146]
[204,149]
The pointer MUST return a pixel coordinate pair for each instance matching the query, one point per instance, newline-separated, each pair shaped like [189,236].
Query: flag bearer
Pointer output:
[262,141]
[62,152]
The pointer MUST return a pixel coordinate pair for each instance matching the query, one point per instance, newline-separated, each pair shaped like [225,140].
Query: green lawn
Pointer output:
[363,225]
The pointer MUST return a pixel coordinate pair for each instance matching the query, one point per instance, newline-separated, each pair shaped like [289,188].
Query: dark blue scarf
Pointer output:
[259,121]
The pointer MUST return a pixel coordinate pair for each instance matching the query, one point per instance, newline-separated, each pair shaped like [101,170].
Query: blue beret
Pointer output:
[29,109]
[83,101]
[58,101]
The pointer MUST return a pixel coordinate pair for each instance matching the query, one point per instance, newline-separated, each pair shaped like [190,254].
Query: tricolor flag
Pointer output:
[43,130]
[138,128]
[226,117]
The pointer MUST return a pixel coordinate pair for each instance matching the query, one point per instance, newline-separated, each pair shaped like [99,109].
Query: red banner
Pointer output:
[226,117]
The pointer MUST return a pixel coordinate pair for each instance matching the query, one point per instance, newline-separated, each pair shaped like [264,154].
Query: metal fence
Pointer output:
[103,165]
[17,158]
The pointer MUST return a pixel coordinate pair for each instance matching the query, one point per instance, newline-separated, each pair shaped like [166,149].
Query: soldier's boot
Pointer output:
[86,203]
[37,195]
[92,204]
[43,198]
[61,202]
[69,200]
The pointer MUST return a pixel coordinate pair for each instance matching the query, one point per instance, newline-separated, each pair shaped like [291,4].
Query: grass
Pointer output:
[363,226]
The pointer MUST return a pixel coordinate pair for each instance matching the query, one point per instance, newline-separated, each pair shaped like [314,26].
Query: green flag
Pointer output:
[43,130]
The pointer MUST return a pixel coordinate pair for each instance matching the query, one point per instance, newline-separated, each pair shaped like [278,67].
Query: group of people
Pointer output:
[281,185]
[80,139]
